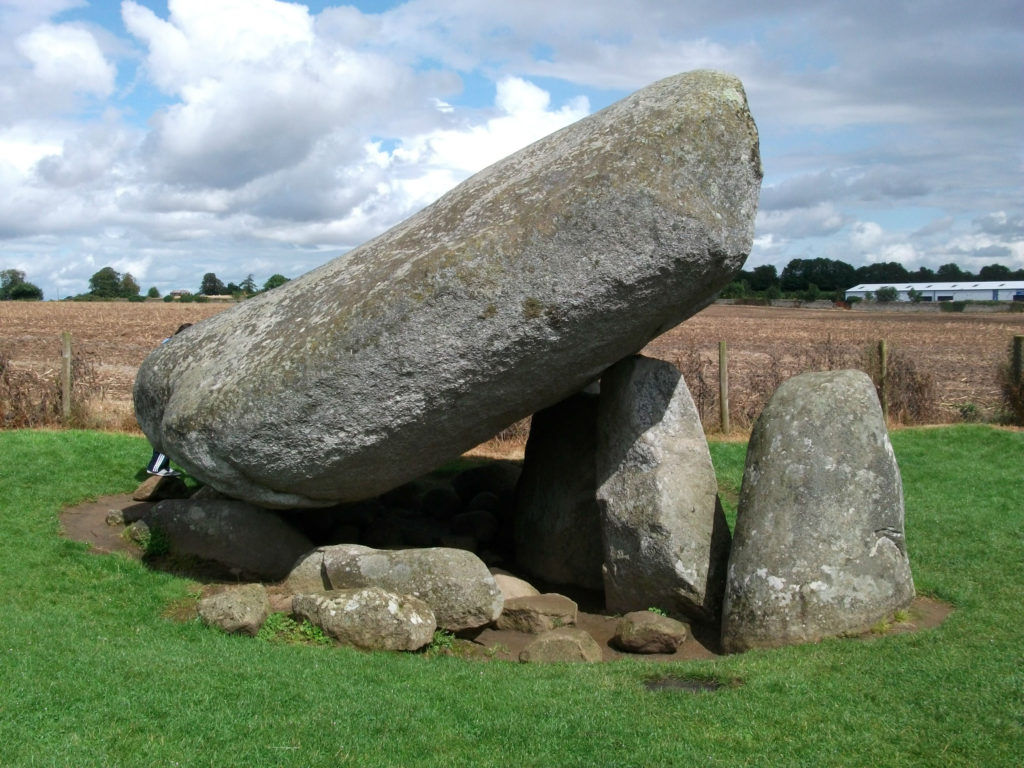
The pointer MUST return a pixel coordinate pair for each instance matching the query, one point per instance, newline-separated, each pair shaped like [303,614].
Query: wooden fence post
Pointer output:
[883,394]
[65,375]
[1017,359]
[723,385]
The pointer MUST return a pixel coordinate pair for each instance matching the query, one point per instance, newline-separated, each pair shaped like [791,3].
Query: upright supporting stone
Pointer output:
[819,548]
[666,539]
[558,526]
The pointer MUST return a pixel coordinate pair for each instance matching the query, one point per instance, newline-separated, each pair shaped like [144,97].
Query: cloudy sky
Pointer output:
[170,139]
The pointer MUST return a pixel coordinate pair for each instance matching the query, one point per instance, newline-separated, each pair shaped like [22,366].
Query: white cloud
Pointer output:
[524,115]
[253,133]
[866,235]
[813,221]
[68,57]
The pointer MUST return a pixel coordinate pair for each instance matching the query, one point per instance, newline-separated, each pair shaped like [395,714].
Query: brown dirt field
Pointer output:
[960,352]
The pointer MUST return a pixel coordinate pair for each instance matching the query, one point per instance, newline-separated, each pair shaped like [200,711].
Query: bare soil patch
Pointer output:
[88,523]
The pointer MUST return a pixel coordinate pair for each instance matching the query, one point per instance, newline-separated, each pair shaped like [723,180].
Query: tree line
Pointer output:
[806,279]
[811,279]
[107,284]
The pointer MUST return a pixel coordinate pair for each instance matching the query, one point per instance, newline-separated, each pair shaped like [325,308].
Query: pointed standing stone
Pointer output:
[819,548]
[665,536]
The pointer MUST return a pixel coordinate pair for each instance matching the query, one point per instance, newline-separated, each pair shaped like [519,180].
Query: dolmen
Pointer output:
[513,291]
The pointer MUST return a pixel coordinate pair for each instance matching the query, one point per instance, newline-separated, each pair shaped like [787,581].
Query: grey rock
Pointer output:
[557,520]
[563,644]
[307,574]
[241,608]
[509,293]
[537,614]
[648,632]
[157,488]
[512,586]
[819,548]
[239,536]
[453,582]
[665,535]
[369,618]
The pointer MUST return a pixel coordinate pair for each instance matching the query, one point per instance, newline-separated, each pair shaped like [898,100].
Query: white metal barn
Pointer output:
[967,290]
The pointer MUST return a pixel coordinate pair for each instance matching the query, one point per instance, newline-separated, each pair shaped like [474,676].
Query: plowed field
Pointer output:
[959,353]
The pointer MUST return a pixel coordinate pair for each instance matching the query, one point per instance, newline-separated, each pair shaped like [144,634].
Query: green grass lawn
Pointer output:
[92,675]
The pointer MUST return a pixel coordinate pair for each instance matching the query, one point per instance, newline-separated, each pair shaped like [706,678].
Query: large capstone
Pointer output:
[819,547]
[666,540]
[511,292]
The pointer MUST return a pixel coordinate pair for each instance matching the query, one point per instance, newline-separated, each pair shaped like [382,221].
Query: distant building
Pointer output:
[965,290]
[178,293]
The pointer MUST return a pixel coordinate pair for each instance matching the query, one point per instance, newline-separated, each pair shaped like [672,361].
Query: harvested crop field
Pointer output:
[956,354]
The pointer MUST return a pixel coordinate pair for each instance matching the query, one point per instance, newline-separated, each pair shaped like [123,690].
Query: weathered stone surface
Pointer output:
[819,548]
[512,586]
[557,521]
[241,608]
[453,582]
[237,535]
[665,536]
[538,613]
[648,632]
[511,292]
[307,574]
[369,618]
[157,488]
[563,644]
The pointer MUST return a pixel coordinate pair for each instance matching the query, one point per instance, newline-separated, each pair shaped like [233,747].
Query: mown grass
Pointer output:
[92,675]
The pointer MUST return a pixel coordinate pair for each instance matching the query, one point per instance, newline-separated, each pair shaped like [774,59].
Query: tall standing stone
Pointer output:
[557,523]
[509,293]
[665,535]
[819,547]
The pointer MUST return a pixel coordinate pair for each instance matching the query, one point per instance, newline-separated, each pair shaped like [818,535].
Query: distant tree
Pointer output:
[828,274]
[922,275]
[994,272]
[25,292]
[212,286]
[883,272]
[13,287]
[233,288]
[951,273]
[105,284]
[248,286]
[915,295]
[274,281]
[8,279]
[886,293]
[153,292]
[763,277]
[129,287]
[737,289]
